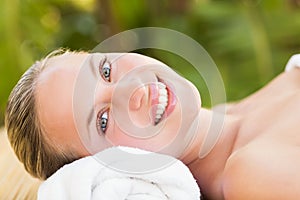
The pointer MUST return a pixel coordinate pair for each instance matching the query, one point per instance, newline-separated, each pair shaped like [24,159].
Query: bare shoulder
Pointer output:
[264,169]
[284,83]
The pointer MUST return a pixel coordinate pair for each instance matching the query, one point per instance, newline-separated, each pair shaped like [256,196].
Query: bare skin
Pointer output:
[255,157]
[264,160]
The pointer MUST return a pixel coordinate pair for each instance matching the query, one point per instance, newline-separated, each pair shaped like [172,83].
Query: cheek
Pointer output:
[121,69]
[129,61]
[157,142]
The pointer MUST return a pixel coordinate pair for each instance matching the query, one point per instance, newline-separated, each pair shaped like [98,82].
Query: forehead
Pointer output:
[54,91]
[63,62]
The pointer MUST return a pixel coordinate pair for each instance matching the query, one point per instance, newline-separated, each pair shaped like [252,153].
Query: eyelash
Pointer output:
[105,67]
[102,121]
[103,116]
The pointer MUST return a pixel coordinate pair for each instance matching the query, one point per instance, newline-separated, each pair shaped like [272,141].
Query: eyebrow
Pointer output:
[91,65]
[91,110]
[90,117]
[94,72]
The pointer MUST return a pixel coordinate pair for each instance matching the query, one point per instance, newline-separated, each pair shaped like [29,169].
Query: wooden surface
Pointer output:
[15,182]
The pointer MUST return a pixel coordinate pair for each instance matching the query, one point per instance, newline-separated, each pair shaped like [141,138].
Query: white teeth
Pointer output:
[160,111]
[162,101]
[163,92]
[161,85]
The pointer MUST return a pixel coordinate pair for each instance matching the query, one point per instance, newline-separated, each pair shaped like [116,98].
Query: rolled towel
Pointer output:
[120,173]
[293,62]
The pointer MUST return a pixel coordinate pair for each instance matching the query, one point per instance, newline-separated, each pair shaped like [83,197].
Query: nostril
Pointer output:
[136,98]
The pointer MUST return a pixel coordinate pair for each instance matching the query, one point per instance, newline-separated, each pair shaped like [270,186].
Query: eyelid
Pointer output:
[104,61]
[98,120]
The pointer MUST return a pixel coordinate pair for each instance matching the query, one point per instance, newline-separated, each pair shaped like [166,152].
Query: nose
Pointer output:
[103,94]
[136,98]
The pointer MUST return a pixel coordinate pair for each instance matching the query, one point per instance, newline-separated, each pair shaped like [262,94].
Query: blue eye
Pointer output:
[102,121]
[105,70]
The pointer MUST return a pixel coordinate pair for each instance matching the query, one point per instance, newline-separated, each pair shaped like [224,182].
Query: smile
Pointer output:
[163,101]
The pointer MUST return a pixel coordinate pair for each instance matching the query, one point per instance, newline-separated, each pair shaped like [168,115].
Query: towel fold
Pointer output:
[120,173]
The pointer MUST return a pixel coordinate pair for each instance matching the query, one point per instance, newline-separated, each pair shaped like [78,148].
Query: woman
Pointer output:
[75,104]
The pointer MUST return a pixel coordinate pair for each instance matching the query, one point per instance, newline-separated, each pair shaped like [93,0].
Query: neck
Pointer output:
[209,151]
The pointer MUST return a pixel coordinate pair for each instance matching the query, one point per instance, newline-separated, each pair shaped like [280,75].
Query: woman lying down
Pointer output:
[73,105]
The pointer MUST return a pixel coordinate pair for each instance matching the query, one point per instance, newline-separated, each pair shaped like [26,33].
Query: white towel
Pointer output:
[120,173]
[293,62]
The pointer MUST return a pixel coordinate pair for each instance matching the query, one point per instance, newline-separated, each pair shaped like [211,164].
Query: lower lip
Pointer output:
[171,101]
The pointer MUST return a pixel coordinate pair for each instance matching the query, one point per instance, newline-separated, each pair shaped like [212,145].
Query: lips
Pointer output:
[163,101]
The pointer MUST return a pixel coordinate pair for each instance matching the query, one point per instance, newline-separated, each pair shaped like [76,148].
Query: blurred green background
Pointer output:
[250,40]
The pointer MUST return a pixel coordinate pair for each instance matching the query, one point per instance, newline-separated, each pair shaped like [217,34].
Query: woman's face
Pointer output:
[88,102]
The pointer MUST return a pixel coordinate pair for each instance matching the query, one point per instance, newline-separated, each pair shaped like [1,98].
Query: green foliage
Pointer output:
[250,40]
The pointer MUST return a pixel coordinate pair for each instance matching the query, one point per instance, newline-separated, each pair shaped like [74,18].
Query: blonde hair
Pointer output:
[25,133]
[15,183]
